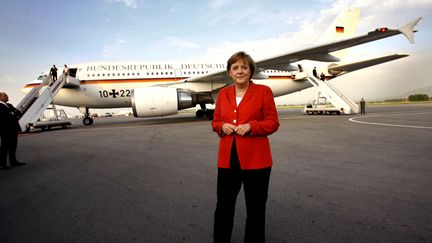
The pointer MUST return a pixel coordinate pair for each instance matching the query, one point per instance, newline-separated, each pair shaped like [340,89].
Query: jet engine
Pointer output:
[161,101]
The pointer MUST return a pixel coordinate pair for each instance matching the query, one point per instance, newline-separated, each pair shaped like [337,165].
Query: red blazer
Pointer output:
[258,108]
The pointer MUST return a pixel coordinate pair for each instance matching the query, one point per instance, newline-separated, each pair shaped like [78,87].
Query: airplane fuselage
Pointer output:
[109,85]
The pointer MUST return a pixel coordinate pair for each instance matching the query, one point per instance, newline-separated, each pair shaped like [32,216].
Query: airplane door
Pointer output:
[178,74]
[72,72]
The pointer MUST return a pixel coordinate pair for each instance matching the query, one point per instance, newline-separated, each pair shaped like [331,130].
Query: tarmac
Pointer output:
[124,179]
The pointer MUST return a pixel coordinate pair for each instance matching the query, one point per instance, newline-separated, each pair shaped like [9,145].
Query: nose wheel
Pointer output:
[87,119]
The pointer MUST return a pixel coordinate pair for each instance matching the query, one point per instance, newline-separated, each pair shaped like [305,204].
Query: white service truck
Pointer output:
[320,106]
[51,118]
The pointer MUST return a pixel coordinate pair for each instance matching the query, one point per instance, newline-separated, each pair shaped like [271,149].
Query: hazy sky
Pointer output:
[36,34]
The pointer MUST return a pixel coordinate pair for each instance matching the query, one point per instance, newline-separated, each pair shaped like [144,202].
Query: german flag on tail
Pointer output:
[339,29]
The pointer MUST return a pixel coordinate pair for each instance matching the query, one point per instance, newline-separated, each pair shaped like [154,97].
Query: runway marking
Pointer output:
[354,119]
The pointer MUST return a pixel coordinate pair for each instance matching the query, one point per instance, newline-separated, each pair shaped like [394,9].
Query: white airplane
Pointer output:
[163,88]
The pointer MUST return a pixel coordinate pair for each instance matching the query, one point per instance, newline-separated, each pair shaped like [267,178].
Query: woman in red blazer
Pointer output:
[244,116]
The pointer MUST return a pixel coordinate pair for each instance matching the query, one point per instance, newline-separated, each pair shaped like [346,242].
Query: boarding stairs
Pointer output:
[333,95]
[38,99]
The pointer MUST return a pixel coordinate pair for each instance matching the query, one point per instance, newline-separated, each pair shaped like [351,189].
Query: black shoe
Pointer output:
[5,167]
[17,163]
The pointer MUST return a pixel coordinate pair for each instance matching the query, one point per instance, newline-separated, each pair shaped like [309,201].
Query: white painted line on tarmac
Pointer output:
[354,119]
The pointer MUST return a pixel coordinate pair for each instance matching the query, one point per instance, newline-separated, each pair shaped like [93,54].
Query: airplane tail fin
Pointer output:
[343,27]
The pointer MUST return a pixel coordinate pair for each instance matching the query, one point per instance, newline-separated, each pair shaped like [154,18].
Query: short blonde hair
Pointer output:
[241,55]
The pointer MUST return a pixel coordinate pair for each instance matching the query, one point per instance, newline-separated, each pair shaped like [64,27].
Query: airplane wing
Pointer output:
[320,52]
[338,70]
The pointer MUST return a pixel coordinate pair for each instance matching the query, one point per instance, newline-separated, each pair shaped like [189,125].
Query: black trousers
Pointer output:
[255,186]
[8,147]
[12,147]
[3,150]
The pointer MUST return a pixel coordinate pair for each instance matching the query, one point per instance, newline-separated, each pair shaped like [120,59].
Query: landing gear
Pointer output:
[204,112]
[87,119]
[200,113]
[209,114]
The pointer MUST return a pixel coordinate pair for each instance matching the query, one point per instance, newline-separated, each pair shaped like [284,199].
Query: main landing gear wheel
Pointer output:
[209,114]
[88,121]
[202,113]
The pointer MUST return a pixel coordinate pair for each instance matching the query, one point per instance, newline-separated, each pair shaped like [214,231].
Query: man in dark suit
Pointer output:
[362,106]
[53,72]
[9,129]
[315,73]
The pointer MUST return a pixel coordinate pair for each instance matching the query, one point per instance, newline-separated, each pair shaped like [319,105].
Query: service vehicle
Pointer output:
[320,106]
[51,118]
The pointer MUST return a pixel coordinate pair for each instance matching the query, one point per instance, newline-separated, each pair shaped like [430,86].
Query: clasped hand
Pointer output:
[241,130]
